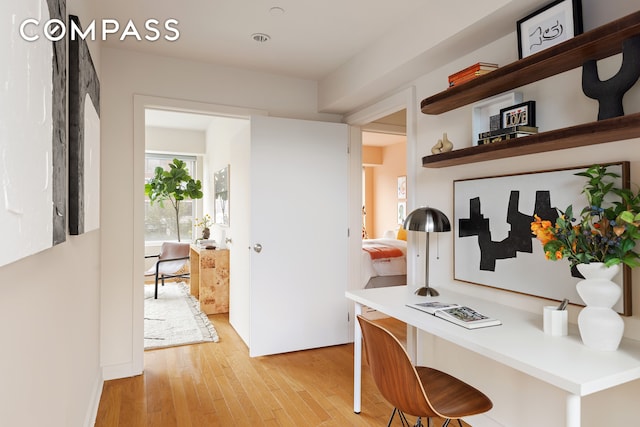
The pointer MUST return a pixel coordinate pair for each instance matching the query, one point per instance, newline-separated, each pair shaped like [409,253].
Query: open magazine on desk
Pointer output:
[455,313]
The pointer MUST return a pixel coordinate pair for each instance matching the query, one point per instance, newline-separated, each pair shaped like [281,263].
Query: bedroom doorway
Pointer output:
[384,200]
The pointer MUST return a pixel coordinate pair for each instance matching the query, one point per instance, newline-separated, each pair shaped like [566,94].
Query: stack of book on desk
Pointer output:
[471,73]
[505,134]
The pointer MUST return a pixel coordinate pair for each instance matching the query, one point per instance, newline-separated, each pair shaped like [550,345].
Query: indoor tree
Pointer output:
[174,185]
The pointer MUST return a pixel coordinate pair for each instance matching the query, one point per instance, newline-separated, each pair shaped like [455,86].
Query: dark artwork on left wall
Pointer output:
[58,10]
[84,137]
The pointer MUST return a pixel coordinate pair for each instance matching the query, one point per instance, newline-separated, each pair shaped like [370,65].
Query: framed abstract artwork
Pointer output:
[84,138]
[33,118]
[493,243]
[558,21]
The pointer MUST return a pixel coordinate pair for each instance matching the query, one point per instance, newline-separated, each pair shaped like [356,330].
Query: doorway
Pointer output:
[181,129]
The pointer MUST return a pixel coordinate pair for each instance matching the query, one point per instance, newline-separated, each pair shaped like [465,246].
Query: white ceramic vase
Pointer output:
[601,328]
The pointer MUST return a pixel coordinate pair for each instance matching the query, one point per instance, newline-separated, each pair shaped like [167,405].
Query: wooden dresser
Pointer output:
[210,279]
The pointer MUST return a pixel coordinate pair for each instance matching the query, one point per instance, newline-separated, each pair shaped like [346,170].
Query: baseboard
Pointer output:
[94,403]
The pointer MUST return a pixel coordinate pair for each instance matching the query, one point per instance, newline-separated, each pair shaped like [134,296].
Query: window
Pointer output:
[160,222]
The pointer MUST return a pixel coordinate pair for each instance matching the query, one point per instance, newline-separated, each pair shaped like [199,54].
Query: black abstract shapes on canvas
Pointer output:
[519,238]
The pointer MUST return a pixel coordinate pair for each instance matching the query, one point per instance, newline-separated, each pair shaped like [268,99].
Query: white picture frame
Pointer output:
[482,111]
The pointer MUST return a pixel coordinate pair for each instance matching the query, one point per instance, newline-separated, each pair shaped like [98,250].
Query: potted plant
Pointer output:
[597,242]
[606,231]
[205,223]
[174,185]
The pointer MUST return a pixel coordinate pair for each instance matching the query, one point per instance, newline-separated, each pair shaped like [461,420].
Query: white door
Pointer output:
[299,235]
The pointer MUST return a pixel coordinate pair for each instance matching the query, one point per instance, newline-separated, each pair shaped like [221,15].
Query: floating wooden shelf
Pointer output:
[596,44]
[615,129]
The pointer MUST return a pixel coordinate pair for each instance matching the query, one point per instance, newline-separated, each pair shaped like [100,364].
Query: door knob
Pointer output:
[257,247]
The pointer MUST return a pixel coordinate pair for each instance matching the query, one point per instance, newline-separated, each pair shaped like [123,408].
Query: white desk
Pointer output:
[518,343]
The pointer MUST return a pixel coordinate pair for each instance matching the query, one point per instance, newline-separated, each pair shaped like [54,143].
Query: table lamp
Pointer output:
[428,220]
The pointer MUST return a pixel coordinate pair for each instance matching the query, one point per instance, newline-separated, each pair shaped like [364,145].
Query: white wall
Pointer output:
[128,74]
[559,103]
[220,136]
[50,371]
[167,140]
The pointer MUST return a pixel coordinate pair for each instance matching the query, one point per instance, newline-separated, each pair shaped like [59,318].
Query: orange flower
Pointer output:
[542,230]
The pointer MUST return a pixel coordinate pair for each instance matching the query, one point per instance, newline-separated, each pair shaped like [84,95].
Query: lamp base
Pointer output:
[426,291]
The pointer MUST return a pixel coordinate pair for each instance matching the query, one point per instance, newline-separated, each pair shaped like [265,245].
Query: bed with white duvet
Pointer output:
[384,262]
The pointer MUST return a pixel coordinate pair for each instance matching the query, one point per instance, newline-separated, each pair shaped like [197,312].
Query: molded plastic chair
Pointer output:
[416,390]
[172,260]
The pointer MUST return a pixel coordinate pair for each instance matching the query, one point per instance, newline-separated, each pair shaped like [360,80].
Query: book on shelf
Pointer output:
[503,137]
[466,77]
[478,66]
[455,313]
[511,129]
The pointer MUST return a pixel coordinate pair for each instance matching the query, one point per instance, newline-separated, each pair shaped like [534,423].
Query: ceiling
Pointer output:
[309,39]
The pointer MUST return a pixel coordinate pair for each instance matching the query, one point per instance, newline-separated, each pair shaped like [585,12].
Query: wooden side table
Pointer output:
[210,279]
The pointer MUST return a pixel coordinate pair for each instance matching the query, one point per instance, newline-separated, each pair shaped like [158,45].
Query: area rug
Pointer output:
[174,318]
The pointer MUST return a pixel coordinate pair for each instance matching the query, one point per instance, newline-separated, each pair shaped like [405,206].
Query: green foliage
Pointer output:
[606,231]
[173,185]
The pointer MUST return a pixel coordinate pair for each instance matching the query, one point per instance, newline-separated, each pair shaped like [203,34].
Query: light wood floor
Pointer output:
[218,384]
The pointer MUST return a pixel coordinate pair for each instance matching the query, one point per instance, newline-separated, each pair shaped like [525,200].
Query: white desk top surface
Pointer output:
[519,342]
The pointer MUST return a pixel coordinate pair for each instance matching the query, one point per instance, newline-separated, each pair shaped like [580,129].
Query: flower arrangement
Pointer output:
[606,230]
[205,222]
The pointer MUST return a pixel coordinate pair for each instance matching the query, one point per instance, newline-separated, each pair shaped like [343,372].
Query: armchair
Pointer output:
[172,260]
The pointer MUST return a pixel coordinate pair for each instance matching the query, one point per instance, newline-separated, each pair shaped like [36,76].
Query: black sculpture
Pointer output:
[609,93]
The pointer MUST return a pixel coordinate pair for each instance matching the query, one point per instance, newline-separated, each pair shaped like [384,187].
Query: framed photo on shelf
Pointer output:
[523,114]
[482,112]
[555,23]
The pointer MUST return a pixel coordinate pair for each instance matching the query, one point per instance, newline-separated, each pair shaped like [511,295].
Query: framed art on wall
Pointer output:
[555,23]
[33,116]
[221,196]
[402,187]
[493,243]
[402,211]
[84,138]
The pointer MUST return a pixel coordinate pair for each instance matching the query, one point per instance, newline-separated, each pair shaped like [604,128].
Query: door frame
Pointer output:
[404,99]
[140,104]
